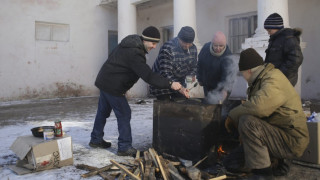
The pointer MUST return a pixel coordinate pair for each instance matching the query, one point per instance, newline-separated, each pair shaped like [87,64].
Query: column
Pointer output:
[127,21]
[260,40]
[184,12]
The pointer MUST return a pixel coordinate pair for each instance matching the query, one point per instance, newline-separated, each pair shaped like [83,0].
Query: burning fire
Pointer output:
[220,150]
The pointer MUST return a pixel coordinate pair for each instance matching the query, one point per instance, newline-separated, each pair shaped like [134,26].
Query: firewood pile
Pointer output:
[150,166]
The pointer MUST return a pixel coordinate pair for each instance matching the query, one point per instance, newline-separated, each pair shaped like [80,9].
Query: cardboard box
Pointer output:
[312,153]
[35,154]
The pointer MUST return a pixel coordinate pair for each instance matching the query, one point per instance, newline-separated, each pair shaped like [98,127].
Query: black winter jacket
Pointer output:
[124,66]
[284,52]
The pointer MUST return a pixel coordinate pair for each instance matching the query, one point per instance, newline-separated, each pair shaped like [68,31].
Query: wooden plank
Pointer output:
[97,171]
[122,176]
[165,166]
[219,178]
[152,174]
[200,161]
[161,168]
[125,170]
[91,168]
[174,172]
[152,153]
[148,164]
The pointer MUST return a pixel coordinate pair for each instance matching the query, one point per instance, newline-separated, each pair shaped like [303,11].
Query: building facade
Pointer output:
[51,49]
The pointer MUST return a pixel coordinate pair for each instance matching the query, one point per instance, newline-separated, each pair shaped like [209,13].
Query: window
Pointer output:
[112,40]
[51,31]
[167,33]
[240,28]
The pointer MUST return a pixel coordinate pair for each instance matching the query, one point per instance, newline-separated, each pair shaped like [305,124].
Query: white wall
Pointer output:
[45,69]
[305,15]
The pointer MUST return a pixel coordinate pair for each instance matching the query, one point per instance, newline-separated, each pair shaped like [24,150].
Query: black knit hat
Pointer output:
[249,59]
[274,21]
[186,34]
[151,33]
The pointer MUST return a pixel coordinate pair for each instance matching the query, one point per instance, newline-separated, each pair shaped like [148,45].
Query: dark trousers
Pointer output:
[122,110]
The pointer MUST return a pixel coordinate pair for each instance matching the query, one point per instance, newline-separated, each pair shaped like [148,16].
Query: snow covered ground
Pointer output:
[78,126]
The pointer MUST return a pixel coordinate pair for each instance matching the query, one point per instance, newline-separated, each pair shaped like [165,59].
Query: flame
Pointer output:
[220,150]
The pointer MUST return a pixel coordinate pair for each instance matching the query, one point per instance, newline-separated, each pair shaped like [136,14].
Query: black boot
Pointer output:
[282,168]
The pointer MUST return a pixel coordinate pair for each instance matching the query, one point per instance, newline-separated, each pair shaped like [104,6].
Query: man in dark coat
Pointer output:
[216,69]
[124,66]
[284,50]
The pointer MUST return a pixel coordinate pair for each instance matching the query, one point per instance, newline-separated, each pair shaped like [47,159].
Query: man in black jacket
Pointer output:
[284,50]
[124,66]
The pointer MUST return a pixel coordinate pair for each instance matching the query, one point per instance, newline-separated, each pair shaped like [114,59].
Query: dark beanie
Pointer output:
[151,33]
[249,59]
[186,34]
[274,21]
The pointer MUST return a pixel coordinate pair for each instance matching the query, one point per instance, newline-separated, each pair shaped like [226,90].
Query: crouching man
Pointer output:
[271,123]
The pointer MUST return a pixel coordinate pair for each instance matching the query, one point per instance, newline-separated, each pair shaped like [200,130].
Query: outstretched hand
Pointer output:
[185,92]
[176,86]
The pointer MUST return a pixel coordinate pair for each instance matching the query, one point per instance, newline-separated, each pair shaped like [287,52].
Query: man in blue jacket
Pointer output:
[124,66]
[216,69]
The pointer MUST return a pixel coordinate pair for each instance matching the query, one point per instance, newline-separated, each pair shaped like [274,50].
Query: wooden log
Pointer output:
[91,168]
[152,174]
[199,162]
[106,176]
[97,171]
[193,173]
[219,178]
[137,172]
[165,166]
[125,170]
[137,154]
[152,153]
[122,176]
[161,168]
[148,164]
[174,172]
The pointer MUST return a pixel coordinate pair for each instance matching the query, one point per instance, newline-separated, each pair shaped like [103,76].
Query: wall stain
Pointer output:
[68,89]
[56,90]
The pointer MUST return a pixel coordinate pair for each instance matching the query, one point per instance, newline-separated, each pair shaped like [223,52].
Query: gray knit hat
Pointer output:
[274,21]
[186,34]
[249,59]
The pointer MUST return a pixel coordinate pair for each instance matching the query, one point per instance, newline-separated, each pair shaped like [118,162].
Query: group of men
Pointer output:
[271,122]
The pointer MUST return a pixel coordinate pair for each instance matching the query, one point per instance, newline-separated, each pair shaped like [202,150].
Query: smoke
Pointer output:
[216,96]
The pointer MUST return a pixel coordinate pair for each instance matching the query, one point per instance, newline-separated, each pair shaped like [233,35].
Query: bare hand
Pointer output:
[185,92]
[176,86]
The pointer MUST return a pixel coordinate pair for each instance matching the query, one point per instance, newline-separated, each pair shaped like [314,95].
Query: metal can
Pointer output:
[58,126]
[48,134]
